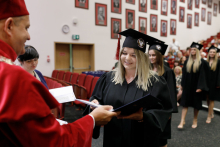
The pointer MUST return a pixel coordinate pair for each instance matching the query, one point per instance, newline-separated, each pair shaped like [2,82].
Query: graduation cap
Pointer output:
[196,45]
[136,40]
[160,47]
[213,47]
[12,8]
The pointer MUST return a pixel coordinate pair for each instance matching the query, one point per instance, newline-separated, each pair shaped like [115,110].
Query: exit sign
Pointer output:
[75,37]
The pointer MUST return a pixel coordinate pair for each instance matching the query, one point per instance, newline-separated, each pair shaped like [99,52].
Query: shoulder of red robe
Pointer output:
[12,8]
[22,96]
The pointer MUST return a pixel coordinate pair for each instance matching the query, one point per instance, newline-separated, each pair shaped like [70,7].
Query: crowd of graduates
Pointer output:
[197,74]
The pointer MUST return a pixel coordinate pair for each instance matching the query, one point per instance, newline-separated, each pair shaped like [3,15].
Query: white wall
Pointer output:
[48,16]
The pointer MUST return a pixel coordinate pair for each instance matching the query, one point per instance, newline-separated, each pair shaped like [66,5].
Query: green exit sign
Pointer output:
[75,37]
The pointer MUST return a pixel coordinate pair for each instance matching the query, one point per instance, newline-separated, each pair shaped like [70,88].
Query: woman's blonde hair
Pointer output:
[160,66]
[178,67]
[142,71]
[196,63]
[214,63]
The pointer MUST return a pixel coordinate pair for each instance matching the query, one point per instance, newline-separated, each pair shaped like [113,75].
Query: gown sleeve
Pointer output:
[156,119]
[171,82]
[218,74]
[183,74]
[98,95]
[203,76]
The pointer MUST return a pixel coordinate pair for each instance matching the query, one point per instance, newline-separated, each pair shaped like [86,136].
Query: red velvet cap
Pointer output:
[12,8]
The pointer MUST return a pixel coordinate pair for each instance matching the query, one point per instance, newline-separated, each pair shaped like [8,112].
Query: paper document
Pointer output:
[62,122]
[63,94]
[88,103]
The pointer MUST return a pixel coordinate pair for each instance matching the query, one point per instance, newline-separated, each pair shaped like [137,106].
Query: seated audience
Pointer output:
[170,56]
[203,54]
[29,61]
[183,59]
[179,56]
[178,74]
[214,40]
[219,43]
[176,63]
[209,45]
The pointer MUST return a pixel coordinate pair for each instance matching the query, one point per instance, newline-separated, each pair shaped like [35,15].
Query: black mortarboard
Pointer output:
[213,47]
[136,40]
[196,45]
[160,47]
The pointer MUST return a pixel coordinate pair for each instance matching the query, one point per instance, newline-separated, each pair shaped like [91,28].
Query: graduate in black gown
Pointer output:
[156,52]
[214,80]
[194,83]
[132,79]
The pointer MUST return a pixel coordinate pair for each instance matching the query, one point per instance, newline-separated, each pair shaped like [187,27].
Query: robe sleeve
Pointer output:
[46,132]
[203,76]
[25,108]
[98,95]
[156,119]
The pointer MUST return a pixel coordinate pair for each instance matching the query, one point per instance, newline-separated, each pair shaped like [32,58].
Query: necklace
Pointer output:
[6,60]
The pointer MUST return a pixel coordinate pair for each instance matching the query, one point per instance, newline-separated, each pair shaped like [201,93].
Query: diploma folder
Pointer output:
[147,102]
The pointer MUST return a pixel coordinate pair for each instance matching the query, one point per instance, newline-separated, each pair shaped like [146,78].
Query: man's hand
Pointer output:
[134,116]
[102,115]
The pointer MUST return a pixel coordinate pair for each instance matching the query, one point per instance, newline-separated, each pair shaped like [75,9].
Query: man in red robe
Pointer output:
[25,103]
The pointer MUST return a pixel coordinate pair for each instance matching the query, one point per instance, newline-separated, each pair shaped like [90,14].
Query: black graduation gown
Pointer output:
[166,63]
[131,133]
[171,82]
[214,81]
[193,81]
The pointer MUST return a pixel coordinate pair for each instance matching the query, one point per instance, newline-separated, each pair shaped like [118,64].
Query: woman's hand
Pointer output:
[134,116]
[198,90]
[94,101]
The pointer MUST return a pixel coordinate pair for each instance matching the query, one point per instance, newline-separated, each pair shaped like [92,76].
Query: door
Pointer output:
[82,58]
[62,57]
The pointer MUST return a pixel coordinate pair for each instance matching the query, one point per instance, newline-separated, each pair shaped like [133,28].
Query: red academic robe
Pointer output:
[25,116]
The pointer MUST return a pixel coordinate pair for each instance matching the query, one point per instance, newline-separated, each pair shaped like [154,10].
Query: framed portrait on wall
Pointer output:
[164,7]
[210,3]
[163,29]
[130,19]
[143,6]
[182,14]
[203,13]
[115,27]
[142,25]
[82,4]
[172,26]
[219,7]
[130,1]
[189,21]
[182,1]
[154,4]
[189,5]
[153,23]
[173,6]
[209,16]
[197,3]
[116,6]
[215,10]
[196,19]
[100,14]
[203,1]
